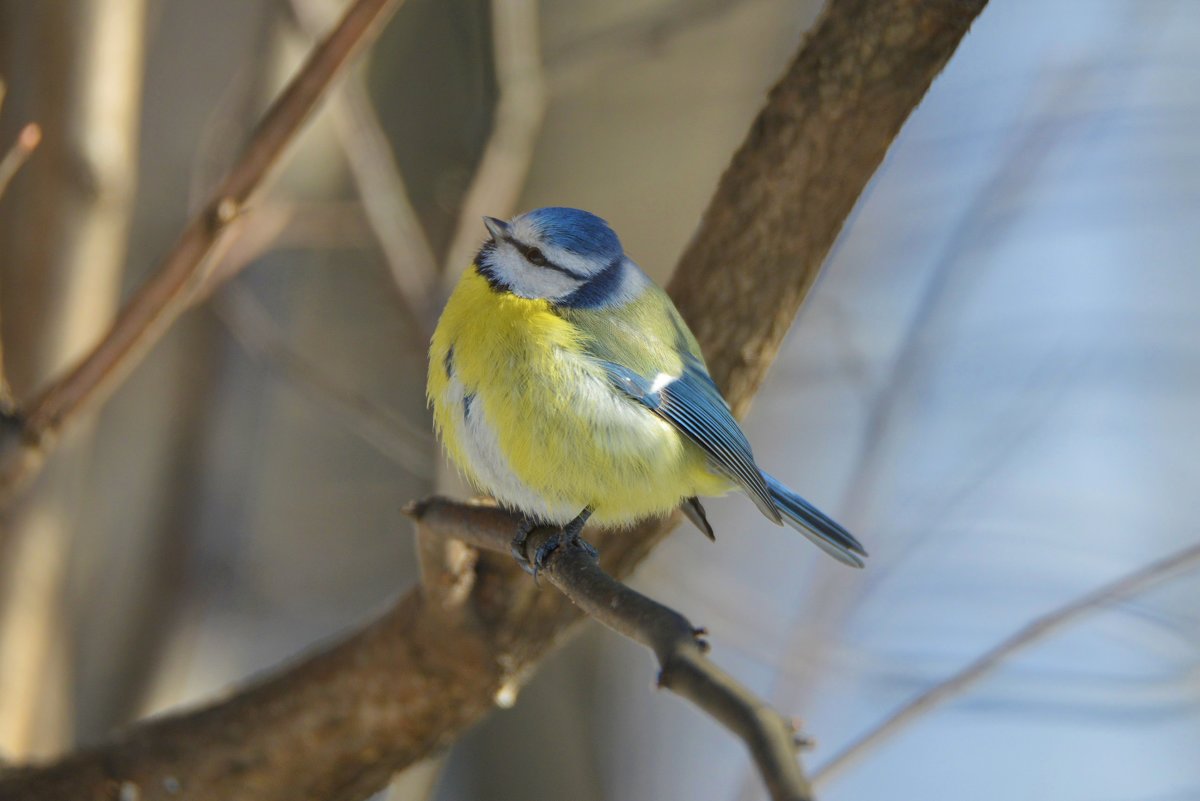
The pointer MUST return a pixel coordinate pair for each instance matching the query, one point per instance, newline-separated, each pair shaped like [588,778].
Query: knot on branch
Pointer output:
[222,212]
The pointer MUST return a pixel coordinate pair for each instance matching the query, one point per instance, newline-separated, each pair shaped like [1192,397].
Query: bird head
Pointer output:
[566,256]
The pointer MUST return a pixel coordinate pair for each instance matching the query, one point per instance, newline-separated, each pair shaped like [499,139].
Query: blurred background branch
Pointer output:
[1171,566]
[901,45]
[517,120]
[379,184]
[60,292]
[13,160]
[169,292]
[389,433]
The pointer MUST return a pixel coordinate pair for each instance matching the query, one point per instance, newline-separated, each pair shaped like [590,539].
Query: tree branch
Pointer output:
[517,121]
[170,290]
[15,158]
[677,644]
[388,432]
[782,201]
[336,724]
[1123,587]
[684,668]
[379,183]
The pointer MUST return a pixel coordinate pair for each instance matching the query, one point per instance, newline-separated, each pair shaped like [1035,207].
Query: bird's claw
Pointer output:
[567,536]
[518,546]
[544,551]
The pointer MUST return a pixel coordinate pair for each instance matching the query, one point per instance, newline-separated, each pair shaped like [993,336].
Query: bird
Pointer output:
[566,385]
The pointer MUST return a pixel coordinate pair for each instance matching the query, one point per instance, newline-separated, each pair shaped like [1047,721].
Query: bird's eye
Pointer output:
[536,257]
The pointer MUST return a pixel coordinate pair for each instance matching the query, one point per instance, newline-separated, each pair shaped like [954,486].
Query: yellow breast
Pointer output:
[529,417]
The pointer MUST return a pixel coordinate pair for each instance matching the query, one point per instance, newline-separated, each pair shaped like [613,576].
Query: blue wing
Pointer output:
[693,404]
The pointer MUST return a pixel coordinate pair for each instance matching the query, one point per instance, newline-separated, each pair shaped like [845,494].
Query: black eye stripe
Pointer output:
[536,257]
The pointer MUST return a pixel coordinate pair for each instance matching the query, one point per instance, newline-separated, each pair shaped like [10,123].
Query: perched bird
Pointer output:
[565,384]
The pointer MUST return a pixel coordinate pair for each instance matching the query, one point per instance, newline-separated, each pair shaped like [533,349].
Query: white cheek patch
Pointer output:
[527,281]
[573,262]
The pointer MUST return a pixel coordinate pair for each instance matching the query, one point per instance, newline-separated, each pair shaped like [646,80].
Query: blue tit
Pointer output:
[565,384]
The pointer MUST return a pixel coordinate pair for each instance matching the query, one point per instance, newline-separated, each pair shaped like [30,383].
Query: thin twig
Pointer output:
[282,225]
[574,63]
[390,434]
[684,668]
[1120,589]
[381,188]
[379,182]
[678,645]
[520,108]
[171,289]
[27,141]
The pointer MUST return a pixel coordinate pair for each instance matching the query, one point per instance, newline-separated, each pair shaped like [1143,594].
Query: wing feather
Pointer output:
[693,405]
[648,353]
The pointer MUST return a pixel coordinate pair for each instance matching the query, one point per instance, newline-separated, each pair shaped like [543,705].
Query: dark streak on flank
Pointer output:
[468,399]
[448,362]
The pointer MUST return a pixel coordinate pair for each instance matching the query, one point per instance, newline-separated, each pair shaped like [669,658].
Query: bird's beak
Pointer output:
[497,228]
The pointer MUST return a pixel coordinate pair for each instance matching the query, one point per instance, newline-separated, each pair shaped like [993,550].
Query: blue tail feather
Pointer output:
[810,521]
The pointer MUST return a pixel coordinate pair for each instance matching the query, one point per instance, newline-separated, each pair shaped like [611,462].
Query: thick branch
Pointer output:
[334,725]
[170,290]
[782,201]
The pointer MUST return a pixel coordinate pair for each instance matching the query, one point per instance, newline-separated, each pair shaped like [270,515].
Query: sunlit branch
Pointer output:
[170,290]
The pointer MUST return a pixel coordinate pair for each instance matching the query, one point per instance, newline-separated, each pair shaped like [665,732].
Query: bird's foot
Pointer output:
[526,526]
[567,536]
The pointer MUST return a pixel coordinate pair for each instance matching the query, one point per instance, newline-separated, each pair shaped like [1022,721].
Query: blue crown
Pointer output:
[576,231]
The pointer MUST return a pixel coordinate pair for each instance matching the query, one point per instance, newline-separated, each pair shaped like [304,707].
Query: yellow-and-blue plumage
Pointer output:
[562,379]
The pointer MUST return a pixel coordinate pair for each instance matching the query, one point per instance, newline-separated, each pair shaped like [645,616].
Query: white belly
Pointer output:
[490,468]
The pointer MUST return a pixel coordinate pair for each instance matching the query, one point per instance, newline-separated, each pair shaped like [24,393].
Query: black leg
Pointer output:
[527,525]
[568,535]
